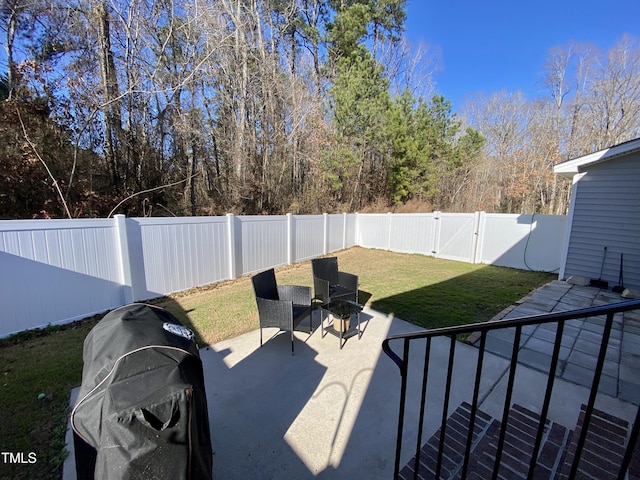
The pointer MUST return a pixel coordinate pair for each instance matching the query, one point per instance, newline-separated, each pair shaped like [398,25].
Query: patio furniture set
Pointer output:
[335,294]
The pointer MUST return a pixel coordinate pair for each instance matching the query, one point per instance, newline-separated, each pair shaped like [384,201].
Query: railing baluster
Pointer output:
[592,395]
[633,439]
[403,398]
[483,328]
[507,400]
[445,408]
[425,374]
[474,404]
[547,398]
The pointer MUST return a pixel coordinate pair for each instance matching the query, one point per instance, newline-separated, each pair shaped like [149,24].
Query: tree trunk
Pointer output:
[10,37]
[112,118]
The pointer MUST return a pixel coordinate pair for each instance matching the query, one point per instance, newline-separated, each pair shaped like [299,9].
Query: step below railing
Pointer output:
[559,319]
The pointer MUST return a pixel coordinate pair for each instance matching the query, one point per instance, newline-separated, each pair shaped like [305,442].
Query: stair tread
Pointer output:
[603,448]
[557,447]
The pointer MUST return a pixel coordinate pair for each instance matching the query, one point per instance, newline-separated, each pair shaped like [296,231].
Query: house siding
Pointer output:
[606,212]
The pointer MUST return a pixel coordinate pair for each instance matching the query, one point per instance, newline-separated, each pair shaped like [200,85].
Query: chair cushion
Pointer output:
[300,312]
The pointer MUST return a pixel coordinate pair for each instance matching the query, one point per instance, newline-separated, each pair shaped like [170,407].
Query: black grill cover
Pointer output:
[142,404]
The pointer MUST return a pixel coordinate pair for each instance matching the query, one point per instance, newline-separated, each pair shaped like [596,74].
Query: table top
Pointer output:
[342,308]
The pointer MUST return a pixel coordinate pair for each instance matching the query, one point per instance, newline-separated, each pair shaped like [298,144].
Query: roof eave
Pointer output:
[571,167]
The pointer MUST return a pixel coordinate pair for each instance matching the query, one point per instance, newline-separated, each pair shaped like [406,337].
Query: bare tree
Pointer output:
[10,11]
[408,66]
[615,97]
[592,103]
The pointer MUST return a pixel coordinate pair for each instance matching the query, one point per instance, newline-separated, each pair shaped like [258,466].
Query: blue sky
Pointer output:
[487,46]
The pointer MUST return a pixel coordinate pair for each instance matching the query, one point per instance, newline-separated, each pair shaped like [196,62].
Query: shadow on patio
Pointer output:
[331,413]
[325,412]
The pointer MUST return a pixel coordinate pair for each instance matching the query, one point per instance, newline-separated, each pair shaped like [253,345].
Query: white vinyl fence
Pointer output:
[57,271]
[527,242]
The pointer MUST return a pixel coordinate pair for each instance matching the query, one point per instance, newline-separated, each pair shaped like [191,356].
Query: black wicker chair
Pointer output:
[281,306]
[331,284]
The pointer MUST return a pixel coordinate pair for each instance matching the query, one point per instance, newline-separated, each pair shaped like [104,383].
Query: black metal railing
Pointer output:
[608,311]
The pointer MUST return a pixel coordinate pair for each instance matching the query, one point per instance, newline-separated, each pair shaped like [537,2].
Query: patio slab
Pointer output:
[580,340]
[325,412]
[331,413]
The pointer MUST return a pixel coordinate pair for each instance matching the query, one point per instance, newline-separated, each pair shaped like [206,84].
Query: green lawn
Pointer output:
[426,291]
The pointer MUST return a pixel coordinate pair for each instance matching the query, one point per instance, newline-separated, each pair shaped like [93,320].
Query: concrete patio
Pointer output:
[331,413]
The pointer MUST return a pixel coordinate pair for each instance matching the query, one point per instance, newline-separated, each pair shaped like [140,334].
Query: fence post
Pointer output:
[436,233]
[125,259]
[290,239]
[389,218]
[477,236]
[231,238]
[325,233]
[344,230]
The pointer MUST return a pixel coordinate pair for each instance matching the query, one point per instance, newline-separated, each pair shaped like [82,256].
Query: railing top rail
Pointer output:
[610,308]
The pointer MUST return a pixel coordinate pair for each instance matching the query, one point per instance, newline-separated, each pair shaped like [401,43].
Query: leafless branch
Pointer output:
[151,190]
[35,151]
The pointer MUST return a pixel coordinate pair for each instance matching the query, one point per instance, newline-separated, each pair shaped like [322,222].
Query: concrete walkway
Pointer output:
[331,413]
[580,341]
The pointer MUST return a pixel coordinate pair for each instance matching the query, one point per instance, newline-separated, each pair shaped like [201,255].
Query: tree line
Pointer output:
[202,107]
[589,100]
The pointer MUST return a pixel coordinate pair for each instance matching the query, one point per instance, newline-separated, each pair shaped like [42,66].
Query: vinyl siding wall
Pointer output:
[606,212]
